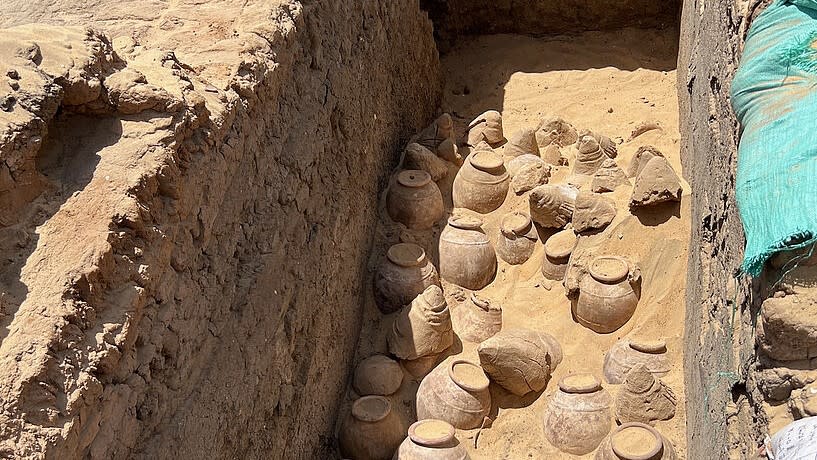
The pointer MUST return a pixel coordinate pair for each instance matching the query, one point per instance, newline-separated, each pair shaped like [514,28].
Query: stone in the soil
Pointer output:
[552,206]
[656,183]
[592,212]
[644,398]
[377,375]
[557,131]
[787,330]
[520,360]
[486,127]
[522,142]
[608,177]
[130,92]
[516,164]
[530,176]
[419,157]
[778,383]
[642,156]
[803,402]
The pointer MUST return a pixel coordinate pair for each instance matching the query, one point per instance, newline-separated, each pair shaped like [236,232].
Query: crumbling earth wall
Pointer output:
[191,198]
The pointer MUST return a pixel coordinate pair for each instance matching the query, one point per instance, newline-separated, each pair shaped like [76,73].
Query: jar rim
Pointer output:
[516,224]
[413,178]
[465,222]
[580,384]
[485,160]
[470,382]
[609,269]
[446,432]
[655,347]
[561,244]
[623,450]
[371,408]
[406,254]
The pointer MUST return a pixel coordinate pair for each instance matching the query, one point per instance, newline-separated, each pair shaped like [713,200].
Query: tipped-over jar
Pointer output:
[422,328]
[517,238]
[558,249]
[482,183]
[579,415]
[414,200]
[628,353]
[431,440]
[607,299]
[478,319]
[456,392]
[520,360]
[371,431]
[403,275]
[635,441]
[467,257]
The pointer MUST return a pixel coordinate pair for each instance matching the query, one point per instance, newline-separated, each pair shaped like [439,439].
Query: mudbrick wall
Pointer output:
[185,233]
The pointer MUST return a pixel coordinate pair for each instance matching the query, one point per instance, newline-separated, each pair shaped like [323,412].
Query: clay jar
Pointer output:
[520,360]
[456,392]
[517,238]
[403,275]
[481,183]
[487,127]
[414,200]
[377,375]
[467,257]
[478,319]
[589,157]
[579,415]
[606,298]
[635,441]
[431,440]
[558,249]
[626,354]
[423,328]
[371,431]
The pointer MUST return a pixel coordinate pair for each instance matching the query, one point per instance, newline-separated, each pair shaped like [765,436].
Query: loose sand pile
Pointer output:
[607,82]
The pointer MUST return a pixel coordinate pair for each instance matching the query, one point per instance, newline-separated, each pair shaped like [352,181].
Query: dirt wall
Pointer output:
[188,283]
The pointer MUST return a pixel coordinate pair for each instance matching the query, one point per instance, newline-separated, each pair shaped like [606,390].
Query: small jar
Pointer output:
[520,360]
[478,319]
[626,354]
[558,249]
[481,184]
[606,298]
[635,441]
[404,274]
[579,415]
[467,257]
[431,440]
[371,431]
[377,375]
[414,200]
[517,238]
[456,392]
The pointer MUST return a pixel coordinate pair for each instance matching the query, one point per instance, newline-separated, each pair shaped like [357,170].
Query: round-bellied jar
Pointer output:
[431,440]
[579,415]
[467,257]
[628,353]
[558,249]
[517,238]
[482,182]
[414,200]
[403,275]
[635,441]
[607,298]
[377,375]
[456,392]
[371,431]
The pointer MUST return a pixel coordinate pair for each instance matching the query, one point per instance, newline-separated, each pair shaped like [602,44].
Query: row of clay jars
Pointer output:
[607,298]
[403,275]
[517,238]
[423,328]
[456,392]
[482,182]
[635,441]
[579,415]
[628,353]
[558,249]
[467,257]
[414,200]
[371,430]
[478,319]
[431,439]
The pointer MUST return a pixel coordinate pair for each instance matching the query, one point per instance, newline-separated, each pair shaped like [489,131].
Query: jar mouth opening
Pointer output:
[636,441]
[560,245]
[465,222]
[649,346]
[413,178]
[431,432]
[486,161]
[406,254]
[468,376]
[371,408]
[580,384]
[609,269]
[516,224]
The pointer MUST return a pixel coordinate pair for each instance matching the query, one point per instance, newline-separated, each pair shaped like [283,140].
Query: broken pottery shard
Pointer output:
[377,375]
[642,128]
[520,360]
[607,145]
[530,176]
[419,157]
[608,177]
[592,212]
[656,183]
[552,205]
[553,155]
[787,330]
[486,127]
[642,156]
[422,328]
[515,165]
[556,131]
[477,319]
[644,398]
[440,130]
[522,142]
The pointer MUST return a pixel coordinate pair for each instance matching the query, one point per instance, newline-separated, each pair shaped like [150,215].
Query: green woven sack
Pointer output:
[774,95]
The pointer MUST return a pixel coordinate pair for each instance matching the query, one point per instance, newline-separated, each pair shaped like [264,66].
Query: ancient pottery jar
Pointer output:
[478,319]
[552,206]
[517,238]
[579,415]
[520,360]
[481,183]
[487,127]
[371,431]
[558,249]
[522,142]
[626,354]
[456,392]
[589,157]
[431,440]
[414,200]
[377,375]
[635,441]
[467,257]
[606,298]
[403,275]
[518,163]
[644,398]
[423,328]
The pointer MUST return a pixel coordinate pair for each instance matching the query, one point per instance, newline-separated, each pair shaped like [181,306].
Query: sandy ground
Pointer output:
[607,82]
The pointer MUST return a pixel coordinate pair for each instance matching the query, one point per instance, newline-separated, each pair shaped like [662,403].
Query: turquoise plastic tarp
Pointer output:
[774,95]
